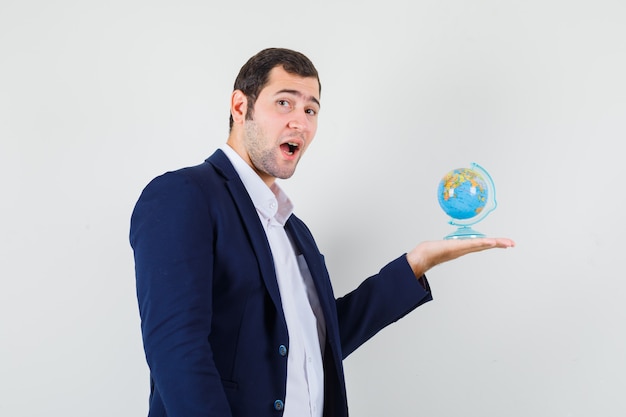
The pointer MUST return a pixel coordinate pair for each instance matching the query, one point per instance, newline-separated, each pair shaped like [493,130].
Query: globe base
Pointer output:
[464,232]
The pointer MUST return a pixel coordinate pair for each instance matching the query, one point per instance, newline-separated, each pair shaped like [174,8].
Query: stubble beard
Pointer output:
[265,159]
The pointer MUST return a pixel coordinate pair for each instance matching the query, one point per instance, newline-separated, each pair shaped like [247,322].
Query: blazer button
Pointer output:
[282,350]
[279,405]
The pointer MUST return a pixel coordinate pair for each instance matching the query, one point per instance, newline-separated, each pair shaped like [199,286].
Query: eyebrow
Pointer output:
[299,94]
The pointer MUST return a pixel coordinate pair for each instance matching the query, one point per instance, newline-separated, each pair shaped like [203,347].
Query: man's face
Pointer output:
[283,124]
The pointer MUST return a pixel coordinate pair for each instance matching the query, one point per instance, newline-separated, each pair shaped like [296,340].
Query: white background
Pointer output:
[96,98]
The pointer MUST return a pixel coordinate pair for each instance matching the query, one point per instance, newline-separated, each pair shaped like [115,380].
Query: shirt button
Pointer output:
[282,350]
[278,405]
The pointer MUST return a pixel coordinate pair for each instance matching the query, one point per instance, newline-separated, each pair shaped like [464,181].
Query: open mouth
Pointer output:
[290,148]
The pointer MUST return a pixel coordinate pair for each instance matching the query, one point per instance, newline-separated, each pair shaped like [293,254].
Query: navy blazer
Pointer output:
[213,329]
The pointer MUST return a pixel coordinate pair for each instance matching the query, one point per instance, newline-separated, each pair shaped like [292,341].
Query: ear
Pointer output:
[238,106]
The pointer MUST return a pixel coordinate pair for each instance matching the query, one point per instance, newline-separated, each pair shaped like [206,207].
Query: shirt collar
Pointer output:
[270,202]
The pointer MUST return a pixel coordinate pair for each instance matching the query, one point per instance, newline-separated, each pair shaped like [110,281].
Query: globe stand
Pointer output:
[464,232]
[463,220]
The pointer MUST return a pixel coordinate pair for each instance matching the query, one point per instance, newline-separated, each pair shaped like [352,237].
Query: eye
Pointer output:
[283,103]
[311,112]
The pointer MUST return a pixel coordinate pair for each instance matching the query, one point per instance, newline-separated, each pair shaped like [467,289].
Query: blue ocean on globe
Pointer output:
[462,193]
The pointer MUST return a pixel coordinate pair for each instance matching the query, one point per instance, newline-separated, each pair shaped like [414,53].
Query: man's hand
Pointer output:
[426,255]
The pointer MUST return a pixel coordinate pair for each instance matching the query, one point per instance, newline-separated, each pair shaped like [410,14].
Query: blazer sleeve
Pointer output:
[171,235]
[379,301]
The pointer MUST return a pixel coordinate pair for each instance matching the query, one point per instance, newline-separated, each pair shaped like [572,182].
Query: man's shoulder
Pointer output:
[213,168]
[202,179]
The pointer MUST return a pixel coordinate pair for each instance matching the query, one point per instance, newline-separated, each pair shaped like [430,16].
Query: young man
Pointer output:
[238,315]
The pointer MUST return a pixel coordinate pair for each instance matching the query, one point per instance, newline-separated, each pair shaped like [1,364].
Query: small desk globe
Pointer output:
[467,195]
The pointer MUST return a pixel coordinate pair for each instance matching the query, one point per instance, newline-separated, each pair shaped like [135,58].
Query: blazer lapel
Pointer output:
[333,374]
[251,222]
[315,262]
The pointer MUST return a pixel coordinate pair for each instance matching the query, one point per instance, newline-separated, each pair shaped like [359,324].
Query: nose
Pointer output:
[298,122]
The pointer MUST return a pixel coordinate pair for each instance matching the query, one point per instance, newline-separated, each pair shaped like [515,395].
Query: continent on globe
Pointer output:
[467,195]
[462,193]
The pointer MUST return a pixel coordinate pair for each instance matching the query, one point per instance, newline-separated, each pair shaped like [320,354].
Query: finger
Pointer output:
[465,246]
[503,242]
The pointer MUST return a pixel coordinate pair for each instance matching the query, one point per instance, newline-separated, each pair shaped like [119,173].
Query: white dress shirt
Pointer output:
[301,307]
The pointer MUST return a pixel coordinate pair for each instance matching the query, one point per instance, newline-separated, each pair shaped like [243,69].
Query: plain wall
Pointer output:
[97,98]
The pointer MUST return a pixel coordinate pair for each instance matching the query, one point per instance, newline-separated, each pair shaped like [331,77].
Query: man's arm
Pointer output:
[171,235]
[399,288]
[379,301]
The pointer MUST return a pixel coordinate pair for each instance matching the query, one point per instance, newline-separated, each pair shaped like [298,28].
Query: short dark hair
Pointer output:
[254,74]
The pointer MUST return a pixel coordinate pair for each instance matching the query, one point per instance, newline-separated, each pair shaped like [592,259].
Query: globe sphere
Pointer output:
[463,193]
